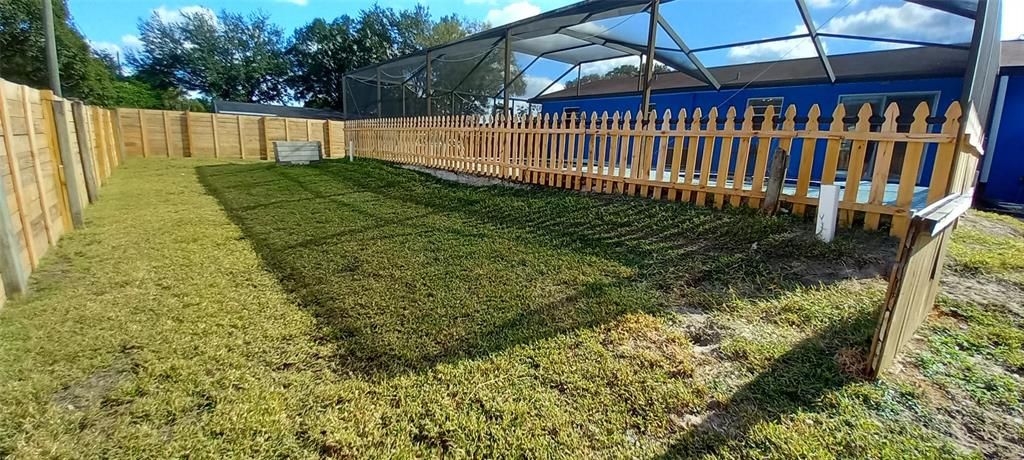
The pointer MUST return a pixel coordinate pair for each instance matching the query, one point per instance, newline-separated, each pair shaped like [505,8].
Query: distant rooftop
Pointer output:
[899,63]
[270,110]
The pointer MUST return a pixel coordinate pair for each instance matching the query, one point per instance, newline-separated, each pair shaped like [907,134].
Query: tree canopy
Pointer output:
[225,56]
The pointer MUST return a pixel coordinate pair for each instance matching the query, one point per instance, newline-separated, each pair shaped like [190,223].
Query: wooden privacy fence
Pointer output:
[914,282]
[56,155]
[160,133]
[708,160]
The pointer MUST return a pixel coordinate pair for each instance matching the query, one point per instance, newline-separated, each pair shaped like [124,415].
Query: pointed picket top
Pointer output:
[748,118]
[790,122]
[681,120]
[954,112]
[864,117]
[837,118]
[697,115]
[892,113]
[730,119]
[593,120]
[713,119]
[769,119]
[921,114]
[813,116]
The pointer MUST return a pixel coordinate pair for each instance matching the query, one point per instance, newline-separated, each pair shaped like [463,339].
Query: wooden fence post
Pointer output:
[265,143]
[327,139]
[67,157]
[216,139]
[167,132]
[85,150]
[142,131]
[15,274]
[119,135]
[49,125]
[190,152]
[241,138]
[776,179]
[36,170]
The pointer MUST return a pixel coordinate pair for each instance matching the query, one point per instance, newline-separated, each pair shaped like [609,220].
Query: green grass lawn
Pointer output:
[362,310]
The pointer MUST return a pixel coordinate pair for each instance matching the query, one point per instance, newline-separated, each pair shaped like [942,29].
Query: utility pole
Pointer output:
[51,48]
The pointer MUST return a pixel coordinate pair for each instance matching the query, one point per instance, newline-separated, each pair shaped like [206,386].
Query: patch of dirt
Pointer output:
[94,389]
[989,430]
[982,290]
[467,179]
[874,258]
[990,226]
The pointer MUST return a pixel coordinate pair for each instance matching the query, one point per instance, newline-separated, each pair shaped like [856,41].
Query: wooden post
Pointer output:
[85,150]
[216,139]
[15,168]
[119,135]
[241,138]
[776,179]
[265,144]
[327,139]
[142,131]
[187,151]
[46,99]
[67,157]
[15,274]
[287,131]
[309,130]
[167,132]
[36,169]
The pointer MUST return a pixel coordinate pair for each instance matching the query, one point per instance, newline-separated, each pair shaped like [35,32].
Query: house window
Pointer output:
[760,106]
[907,104]
[571,110]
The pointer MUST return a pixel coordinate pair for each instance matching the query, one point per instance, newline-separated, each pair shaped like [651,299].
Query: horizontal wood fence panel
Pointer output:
[42,170]
[887,163]
[157,133]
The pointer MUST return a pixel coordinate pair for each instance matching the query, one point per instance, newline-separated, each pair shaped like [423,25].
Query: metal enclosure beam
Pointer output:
[648,71]
[508,69]
[689,53]
[811,29]
[429,76]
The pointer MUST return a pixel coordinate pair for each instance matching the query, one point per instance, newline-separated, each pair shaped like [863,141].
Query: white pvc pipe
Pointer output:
[828,213]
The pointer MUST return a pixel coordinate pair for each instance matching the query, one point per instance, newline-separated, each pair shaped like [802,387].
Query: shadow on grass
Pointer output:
[798,382]
[404,271]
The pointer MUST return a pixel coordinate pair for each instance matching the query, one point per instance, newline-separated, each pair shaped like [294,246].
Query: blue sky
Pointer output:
[113,24]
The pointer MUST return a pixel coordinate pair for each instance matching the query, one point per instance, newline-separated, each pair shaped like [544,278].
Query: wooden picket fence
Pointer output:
[161,133]
[56,155]
[704,160]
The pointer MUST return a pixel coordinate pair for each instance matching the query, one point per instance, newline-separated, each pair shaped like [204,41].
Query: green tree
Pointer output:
[23,55]
[227,56]
[625,70]
[321,52]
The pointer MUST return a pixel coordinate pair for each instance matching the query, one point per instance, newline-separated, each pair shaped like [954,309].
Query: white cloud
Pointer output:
[127,42]
[295,2]
[907,21]
[511,13]
[771,51]
[176,15]
[131,41]
[1013,19]
[480,2]
[602,67]
[535,84]
[112,48]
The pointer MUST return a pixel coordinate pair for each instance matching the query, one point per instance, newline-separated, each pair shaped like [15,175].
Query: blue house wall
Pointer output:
[1006,175]
[803,96]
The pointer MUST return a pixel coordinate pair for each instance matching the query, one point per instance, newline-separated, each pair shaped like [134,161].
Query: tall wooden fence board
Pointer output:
[192,134]
[33,172]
